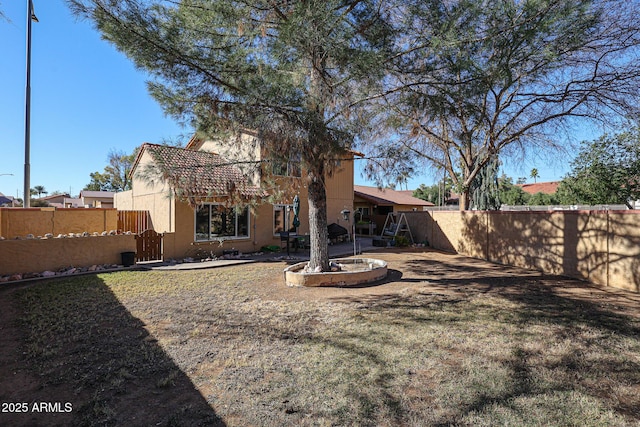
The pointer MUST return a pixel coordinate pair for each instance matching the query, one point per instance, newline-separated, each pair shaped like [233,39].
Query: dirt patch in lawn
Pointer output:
[456,274]
[443,340]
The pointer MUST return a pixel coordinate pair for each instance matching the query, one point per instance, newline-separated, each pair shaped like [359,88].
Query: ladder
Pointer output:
[393,228]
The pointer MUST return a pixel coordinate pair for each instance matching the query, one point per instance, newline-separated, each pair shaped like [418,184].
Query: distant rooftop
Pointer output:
[54,196]
[540,187]
[97,194]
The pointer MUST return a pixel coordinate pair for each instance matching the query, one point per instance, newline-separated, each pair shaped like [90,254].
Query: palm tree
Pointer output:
[534,174]
[39,190]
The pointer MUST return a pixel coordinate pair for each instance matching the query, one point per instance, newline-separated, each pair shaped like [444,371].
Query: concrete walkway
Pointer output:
[363,244]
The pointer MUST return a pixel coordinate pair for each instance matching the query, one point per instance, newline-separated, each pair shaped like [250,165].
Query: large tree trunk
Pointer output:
[464,200]
[318,222]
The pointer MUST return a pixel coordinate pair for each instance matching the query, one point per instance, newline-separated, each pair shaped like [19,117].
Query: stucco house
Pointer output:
[54,200]
[7,201]
[97,199]
[210,195]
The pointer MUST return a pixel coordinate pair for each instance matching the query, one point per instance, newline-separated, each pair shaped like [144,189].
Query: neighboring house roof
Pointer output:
[198,173]
[5,200]
[54,196]
[97,194]
[454,199]
[385,196]
[540,187]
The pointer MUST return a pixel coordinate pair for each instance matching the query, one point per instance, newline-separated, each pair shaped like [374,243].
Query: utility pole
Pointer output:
[27,119]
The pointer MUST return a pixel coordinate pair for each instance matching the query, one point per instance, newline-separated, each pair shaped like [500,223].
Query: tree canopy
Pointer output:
[534,174]
[39,190]
[116,174]
[498,78]
[511,194]
[296,72]
[605,171]
[436,193]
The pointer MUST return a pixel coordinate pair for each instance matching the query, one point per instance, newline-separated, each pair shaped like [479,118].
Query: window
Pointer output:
[282,216]
[293,168]
[216,221]
[362,214]
[279,168]
[289,168]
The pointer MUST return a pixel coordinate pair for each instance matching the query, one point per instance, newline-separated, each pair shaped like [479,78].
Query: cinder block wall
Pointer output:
[38,255]
[19,222]
[602,247]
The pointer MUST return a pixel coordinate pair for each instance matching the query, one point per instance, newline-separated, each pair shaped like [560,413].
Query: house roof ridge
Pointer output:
[546,187]
[204,173]
[388,195]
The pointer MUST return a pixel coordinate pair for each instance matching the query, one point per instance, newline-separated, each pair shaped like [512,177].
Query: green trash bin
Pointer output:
[128,258]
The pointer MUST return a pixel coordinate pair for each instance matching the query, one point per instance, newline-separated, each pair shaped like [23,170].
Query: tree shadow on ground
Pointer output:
[578,313]
[80,347]
[545,298]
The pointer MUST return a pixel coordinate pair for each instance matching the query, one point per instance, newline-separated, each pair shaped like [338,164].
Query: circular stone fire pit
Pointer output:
[355,271]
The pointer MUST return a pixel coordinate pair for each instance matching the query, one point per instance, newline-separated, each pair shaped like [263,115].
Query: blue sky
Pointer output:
[88,99]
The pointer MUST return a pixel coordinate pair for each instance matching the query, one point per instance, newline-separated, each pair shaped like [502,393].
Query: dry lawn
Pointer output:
[446,340]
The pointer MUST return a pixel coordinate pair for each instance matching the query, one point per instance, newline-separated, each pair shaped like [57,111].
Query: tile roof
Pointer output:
[199,174]
[386,196]
[540,187]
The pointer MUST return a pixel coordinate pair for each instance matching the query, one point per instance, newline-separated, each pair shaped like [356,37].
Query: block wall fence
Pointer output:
[38,255]
[19,222]
[602,247]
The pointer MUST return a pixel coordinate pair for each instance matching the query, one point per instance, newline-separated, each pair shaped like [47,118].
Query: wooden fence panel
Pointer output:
[134,221]
[148,246]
